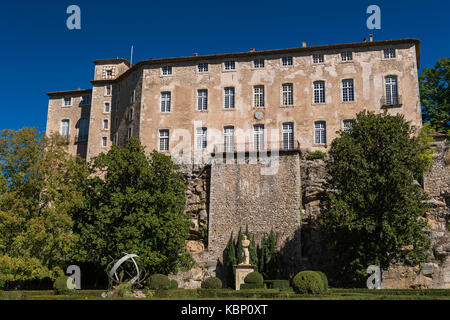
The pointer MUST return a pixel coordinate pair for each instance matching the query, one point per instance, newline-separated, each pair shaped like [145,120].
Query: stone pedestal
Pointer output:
[242,270]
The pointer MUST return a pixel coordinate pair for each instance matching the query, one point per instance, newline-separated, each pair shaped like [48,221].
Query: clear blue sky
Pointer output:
[39,54]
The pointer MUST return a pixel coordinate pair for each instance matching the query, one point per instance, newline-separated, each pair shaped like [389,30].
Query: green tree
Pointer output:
[229,261]
[238,247]
[374,213]
[253,251]
[435,95]
[41,186]
[134,204]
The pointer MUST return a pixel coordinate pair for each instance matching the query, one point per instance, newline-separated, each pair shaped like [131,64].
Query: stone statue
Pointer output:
[245,244]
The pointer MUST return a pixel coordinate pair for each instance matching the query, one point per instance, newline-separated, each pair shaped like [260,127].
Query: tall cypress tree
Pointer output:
[253,253]
[229,260]
[239,247]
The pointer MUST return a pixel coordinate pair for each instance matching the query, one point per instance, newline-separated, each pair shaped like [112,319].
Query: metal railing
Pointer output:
[391,102]
[252,147]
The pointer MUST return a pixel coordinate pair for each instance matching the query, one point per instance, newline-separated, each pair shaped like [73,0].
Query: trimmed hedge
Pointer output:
[60,285]
[248,286]
[278,284]
[308,282]
[316,155]
[255,279]
[324,279]
[158,282]
[212,283]
[173,284]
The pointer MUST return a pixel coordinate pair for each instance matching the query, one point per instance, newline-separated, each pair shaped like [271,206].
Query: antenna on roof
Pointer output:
[131,60]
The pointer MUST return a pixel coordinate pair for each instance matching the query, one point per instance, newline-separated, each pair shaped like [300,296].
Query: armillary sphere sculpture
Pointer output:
[126,270]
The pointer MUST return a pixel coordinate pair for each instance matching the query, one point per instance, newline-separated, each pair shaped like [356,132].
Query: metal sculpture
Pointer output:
[126,270]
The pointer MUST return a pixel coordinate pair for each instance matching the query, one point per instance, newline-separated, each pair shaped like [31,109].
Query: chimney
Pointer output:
[371,37]
[365,40]
[304,44]
[196,54]
[79,89]
[251,50]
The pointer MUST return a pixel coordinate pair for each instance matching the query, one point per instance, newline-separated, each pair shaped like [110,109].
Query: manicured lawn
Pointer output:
[226,294]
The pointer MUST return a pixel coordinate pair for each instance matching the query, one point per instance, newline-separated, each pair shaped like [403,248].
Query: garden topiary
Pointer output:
[212,283]
[173,284]
[60,285]
[255,279]
[158,282]
[308,282]
[324,279]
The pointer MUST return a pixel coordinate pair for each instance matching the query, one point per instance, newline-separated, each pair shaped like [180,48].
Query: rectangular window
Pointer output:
[228,134]
[166,70]
[85,100]
[83,130]
[391,90]
[116,122]
[201,138]
[346,56]
[133,97]
[286,61]
[258,137]
[288,135]
[229,98]
[130,132]
[319,92]
[258,96]
[389,53]
[258,63]
[106,107]
[109,73]
[317,58]
[164,140]
[108,91]
[67,102]
[65,128]
[202,67]
[230,65]
[287,92]
[130,114]
[105,124]
[202,99]
[104,142]
[320,132]
[347,90]
[165,101]
[347,125]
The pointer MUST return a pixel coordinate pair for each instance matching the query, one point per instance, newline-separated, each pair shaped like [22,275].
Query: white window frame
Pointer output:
[106,109]
[346,56]
[287,61]
[105,121]
[68,128]
[319,92]
[64,102]
[258,137]
[202,100]
[166,70]
[258,64]
[258,96]
[228,139]
[348,90]
[163,140]
[287,94]
[166,102]
[108,93]
[389,53]
[347,128]
[318,58]
[320,132]
[201,138]
[229,97]
[203,67]
[287,134]
[104,142]
[129,132]
[391,89]
[229,65]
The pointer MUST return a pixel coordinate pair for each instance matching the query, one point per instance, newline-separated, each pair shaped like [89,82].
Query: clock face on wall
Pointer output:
[259,115]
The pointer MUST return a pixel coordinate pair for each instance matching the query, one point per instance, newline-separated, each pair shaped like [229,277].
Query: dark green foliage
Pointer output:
[324,279]
[278,284]
[308,282]
[238,247]
[255,278]
[253,251]
[229,261]
[60,285]
[435,95]
[124,290]
[248,286]
[158,282]
[138,207]
[173,284]
[212,283]
[375,213]
[268,259]
[315,155]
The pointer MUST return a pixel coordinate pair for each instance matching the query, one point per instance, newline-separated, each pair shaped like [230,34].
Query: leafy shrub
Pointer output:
[60,285]
[308,282]
[247,286]
[324,279]
[315,155]
[254,278]
[158,281]
[124,290]
[212,283]
[173,284]
[278,284]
